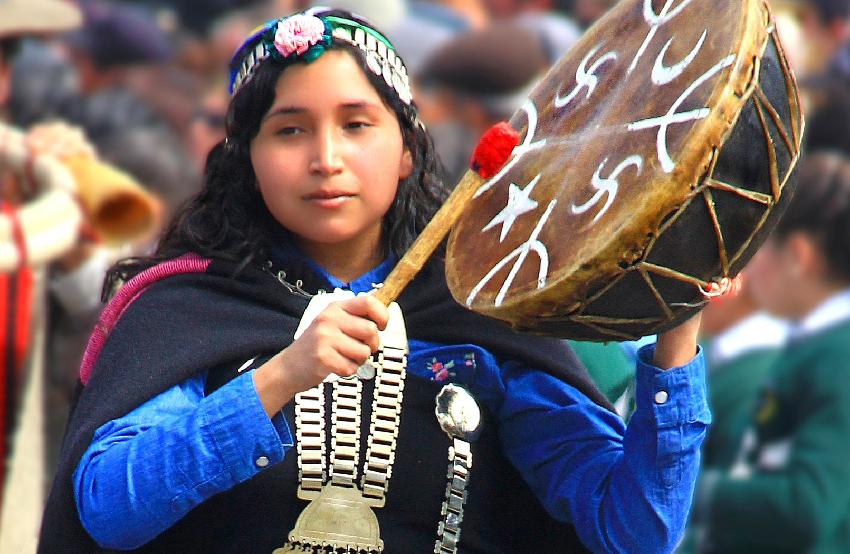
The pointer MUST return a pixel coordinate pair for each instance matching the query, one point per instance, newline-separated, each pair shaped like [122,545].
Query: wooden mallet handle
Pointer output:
[490,155]
[430,237]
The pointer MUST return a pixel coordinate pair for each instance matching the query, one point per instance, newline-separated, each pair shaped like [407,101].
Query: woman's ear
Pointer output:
[805,257]
[406,165]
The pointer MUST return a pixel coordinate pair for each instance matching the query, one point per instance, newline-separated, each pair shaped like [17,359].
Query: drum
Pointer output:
[653,161]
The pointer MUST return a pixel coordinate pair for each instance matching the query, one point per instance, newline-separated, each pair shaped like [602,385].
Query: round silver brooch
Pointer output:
[458,413]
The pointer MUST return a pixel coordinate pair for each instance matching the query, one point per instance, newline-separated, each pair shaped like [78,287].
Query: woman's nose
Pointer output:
[327,158]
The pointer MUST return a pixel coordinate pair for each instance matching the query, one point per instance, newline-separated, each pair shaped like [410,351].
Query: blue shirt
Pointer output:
[626,490]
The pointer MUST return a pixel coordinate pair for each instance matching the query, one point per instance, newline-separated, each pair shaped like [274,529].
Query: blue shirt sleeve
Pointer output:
[144,471]
[626,490]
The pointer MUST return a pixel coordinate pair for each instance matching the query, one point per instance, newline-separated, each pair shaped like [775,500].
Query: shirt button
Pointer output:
[262,461]
[661,397]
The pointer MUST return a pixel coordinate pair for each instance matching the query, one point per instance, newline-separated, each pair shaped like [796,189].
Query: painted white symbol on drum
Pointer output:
[607,185]
[521,253]
[585,78]
[655,21]
[518,203]
[672,116]
[662,75]
[519,151]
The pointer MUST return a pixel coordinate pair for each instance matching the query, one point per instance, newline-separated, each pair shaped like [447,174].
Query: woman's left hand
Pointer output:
[678,345]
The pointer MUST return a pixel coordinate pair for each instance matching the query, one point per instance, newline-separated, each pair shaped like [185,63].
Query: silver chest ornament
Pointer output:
[340,514]
[460,418]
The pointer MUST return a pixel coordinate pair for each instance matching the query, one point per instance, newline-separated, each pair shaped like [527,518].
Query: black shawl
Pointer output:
[197,321]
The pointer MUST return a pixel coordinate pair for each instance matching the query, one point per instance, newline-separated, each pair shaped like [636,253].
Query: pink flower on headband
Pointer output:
[298,33]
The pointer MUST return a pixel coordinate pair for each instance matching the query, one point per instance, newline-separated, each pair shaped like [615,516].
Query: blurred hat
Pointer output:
[119,34]
[21,17]
[496,64]
[383,14]
[832,9]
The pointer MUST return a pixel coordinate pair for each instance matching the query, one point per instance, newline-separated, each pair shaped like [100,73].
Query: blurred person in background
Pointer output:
[19,19]
[825,81]
[116,43]
[478,78]
[825,27]
[208,123]
[587,12]
[427,25]
[789,491]
[115,40]
[87,85]
[556,28]
[828,127]
[741,343]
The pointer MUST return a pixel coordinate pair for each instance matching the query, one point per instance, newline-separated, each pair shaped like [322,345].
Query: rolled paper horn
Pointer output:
[116,206]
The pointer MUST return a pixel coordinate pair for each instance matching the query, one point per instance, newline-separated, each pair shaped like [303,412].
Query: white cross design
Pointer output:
[672,116]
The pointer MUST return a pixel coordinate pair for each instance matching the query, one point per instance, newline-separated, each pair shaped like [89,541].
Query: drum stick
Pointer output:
[490,155]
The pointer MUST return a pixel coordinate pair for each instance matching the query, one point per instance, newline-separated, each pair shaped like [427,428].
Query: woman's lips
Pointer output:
[329,198]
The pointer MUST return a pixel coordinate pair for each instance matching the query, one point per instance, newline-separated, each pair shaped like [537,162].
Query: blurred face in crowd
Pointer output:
[783,273]
[5,75]
[507,8]
[586,12]
[821,37]
[208,124]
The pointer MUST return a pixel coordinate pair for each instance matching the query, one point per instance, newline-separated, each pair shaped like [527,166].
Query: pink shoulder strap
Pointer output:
[187,263]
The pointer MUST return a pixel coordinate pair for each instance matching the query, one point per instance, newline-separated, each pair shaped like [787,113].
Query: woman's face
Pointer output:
[329,154]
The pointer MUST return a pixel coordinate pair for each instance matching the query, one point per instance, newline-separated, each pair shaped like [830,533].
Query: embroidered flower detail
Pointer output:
[297,34]
[440,370]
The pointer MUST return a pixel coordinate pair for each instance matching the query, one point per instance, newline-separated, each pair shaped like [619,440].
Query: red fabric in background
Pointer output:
[15,316]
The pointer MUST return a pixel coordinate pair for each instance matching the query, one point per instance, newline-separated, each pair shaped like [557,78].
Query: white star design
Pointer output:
[518,204]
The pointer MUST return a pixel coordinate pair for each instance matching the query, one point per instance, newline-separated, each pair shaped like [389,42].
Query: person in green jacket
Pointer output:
[790,491]
[741,344]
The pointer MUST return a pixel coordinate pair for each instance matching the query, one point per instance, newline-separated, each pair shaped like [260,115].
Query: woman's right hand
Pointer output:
[338,341]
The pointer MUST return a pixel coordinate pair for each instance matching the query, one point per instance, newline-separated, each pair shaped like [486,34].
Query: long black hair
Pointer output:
[228,218]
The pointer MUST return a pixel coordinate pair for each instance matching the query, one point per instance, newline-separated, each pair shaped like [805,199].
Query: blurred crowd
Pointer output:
[147,83]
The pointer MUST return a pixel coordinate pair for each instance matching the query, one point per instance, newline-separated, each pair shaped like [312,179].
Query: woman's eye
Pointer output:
[358,124]
[289,131]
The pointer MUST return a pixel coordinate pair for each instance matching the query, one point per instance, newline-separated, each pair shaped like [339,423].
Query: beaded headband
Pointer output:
[305,36]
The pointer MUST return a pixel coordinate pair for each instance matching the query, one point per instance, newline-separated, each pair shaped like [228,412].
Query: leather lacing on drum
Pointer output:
[726,283]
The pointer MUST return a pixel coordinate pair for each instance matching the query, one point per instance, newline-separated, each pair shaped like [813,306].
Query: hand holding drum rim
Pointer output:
[338,341]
